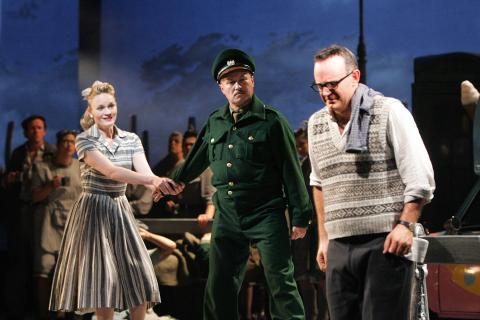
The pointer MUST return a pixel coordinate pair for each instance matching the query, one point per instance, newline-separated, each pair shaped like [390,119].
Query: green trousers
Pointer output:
[232,234]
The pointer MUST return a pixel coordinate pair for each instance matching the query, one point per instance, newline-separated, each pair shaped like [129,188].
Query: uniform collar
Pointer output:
[255,109]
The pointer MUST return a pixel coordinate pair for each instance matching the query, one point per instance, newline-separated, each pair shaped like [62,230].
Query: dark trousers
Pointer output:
[363,283]
[313,297]
[232,234]
[310,280]
[19,282]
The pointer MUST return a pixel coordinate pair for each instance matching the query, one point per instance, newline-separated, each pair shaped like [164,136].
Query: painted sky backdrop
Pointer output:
[158,54]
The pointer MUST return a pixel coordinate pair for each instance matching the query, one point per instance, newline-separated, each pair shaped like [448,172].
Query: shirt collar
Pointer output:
[113,147]
[95,132]
[42,147]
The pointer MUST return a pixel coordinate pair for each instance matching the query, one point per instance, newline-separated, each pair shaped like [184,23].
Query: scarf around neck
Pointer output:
[361,103]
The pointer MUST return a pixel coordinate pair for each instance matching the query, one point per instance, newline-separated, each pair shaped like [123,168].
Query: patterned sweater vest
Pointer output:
[363,193]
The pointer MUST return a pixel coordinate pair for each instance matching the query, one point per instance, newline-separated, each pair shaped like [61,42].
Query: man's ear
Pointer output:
[469,97]
[356,75]
[469,94]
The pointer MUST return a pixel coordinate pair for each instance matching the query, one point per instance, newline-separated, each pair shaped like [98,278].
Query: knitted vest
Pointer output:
[363,193]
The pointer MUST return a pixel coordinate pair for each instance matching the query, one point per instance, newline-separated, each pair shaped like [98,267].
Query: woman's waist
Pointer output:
[111,192]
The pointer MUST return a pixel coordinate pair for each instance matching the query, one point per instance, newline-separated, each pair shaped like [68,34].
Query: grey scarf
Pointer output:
[361,102]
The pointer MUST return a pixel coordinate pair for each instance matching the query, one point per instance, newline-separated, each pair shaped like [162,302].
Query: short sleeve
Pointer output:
[83,144]
[137,145]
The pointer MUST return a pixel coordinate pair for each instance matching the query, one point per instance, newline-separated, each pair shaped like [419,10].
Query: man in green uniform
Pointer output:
[251,151]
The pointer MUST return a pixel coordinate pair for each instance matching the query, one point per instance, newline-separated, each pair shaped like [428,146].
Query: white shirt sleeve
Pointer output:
[411,157]
[314,174]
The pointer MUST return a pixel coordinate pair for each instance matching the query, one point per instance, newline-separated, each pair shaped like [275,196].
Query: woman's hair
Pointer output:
[88,94]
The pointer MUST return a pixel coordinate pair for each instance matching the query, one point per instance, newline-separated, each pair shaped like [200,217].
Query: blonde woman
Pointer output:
[103,264]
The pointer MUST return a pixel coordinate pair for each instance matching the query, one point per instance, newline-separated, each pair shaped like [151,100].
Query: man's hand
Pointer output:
[203,219]
[170,205]
[322,254]
[164,186]
[399,241]
[168,186]
[298,233]
[56,182]
[156,193]
[208,215]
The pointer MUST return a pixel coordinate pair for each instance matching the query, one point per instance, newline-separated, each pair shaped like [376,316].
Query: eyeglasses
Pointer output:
[330,85]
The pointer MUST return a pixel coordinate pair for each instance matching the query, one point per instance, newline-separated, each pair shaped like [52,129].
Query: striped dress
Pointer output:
[103,262]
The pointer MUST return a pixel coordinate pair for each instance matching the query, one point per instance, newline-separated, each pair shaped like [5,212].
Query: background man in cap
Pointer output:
[371,176]
[251,151]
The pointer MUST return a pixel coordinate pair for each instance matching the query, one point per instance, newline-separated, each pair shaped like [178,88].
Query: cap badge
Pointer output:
[230,62]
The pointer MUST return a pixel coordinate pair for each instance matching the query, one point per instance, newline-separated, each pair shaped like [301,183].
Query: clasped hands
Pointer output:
[165,186]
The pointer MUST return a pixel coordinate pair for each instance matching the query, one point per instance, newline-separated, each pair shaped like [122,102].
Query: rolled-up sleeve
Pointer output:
[411,156]
[315,173]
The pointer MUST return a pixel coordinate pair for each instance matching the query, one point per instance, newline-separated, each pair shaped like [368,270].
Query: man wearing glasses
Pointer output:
[56,186]
[371,175]
[251,151]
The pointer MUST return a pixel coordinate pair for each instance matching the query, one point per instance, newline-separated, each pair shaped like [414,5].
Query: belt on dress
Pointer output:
[112,194]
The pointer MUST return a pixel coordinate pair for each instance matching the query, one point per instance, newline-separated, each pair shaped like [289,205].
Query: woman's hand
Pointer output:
[155,194]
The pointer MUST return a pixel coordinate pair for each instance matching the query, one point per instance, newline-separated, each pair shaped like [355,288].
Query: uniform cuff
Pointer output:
[300,220]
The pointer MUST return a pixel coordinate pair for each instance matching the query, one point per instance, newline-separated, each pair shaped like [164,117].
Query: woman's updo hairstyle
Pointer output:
[88,94]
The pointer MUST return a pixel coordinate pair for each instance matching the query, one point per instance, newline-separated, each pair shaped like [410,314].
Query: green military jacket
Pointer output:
[254,162]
